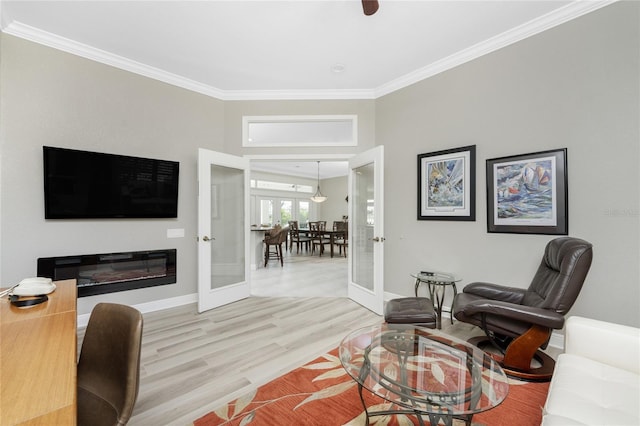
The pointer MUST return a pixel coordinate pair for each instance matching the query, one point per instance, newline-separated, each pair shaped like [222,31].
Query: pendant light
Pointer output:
[318,197]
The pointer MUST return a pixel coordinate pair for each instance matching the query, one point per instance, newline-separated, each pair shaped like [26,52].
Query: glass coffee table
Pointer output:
[423,372]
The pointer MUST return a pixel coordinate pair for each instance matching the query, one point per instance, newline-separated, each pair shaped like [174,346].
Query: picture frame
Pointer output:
[447,184]
[528,193]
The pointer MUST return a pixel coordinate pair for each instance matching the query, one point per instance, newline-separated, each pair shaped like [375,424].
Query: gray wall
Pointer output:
[335,207]
[53,98]
[575,86]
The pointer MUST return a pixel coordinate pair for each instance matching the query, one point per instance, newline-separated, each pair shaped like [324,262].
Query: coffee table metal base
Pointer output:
[423,373]
[434,418]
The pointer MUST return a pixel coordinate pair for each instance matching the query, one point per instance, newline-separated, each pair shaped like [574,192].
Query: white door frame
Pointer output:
[300,157]
[372,299]
[209,298]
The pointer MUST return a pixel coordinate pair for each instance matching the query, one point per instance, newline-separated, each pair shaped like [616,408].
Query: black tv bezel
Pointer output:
[48,214]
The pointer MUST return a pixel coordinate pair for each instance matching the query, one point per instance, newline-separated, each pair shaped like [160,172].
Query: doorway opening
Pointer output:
[304,274]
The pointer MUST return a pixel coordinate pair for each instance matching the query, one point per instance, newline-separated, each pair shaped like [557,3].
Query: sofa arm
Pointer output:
[612,344]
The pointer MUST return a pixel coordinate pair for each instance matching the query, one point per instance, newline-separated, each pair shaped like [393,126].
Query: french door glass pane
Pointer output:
[266,212]
[286,211]
[303,212]
[362,223]
[227,226]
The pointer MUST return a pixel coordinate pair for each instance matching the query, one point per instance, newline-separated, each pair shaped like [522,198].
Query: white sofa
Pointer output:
[596,380]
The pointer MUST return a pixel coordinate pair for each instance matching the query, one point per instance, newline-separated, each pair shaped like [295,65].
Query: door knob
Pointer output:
[378,239]
[205,238]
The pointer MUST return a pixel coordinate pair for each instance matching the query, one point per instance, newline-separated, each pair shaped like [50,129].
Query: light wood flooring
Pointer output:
[303,275]
[193,363]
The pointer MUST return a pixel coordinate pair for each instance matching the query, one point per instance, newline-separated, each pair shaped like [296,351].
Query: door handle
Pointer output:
[206,239]
[378,239]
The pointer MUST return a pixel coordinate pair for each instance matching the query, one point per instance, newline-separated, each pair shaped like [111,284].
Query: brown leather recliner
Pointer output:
[109,365]
[519,321]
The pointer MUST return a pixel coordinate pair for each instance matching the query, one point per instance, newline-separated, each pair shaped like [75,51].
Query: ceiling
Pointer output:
[285,49]
[238,50]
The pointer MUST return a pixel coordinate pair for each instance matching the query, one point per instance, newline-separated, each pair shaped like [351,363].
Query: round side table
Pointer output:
[437,283]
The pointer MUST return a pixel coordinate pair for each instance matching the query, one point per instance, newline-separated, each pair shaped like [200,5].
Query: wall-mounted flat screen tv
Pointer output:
[91,185]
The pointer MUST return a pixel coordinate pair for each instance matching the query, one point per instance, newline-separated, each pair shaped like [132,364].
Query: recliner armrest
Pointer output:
[529,314]
[496,292]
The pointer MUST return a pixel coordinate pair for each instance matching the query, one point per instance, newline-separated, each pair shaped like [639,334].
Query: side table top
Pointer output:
[436,277]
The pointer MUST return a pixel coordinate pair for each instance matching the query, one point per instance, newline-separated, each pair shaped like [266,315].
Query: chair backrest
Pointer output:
[561,274]
[282,236]
[314,227]
[339,225]
[293,229]
[109,364]
[271,236]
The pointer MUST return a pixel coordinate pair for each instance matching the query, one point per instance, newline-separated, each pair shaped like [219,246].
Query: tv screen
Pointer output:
[85,185]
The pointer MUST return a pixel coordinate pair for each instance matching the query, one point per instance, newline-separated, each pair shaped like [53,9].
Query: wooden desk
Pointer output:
[38,360]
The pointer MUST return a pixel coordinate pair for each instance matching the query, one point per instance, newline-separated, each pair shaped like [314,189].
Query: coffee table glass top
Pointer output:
[423,370]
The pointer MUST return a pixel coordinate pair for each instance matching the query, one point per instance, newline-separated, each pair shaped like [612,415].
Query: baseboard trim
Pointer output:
[156,305]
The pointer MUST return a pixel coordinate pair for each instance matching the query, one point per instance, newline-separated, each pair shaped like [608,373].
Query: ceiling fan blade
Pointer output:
[370,7]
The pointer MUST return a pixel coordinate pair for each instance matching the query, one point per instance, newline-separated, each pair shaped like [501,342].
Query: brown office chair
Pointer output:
[519,321]
[109,365]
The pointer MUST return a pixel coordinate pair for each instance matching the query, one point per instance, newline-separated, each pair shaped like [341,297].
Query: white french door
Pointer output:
[366,229]
[223,229]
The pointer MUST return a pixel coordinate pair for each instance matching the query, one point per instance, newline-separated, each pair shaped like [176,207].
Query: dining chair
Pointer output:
[341,240]
[318,237]
[109,365]
[296,237]
[339,225]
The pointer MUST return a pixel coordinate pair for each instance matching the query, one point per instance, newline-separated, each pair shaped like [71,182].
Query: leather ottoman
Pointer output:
[410,310]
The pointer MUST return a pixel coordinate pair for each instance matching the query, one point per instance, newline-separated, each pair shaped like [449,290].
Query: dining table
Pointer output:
[332,233]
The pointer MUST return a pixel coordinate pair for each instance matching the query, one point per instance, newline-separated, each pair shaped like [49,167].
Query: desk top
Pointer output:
[38,352]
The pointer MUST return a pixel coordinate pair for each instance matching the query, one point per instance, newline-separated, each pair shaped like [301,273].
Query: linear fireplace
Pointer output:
[111,272]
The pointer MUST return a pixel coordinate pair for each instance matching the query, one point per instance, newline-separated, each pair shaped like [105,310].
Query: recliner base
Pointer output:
[542,373]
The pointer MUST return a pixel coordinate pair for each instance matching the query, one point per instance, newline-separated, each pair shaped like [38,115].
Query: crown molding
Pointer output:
[557,17]
[246,95]
[553,19]
[36,35]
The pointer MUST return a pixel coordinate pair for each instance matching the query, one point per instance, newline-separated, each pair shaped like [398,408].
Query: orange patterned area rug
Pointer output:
[321,393]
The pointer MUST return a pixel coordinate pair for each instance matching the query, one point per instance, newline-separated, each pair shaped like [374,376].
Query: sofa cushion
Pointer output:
[586,392]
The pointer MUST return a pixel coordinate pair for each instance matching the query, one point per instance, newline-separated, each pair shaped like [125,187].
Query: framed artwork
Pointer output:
[447,184]
[527,194]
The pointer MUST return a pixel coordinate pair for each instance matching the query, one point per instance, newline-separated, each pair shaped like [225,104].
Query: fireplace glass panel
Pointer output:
[111,272]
